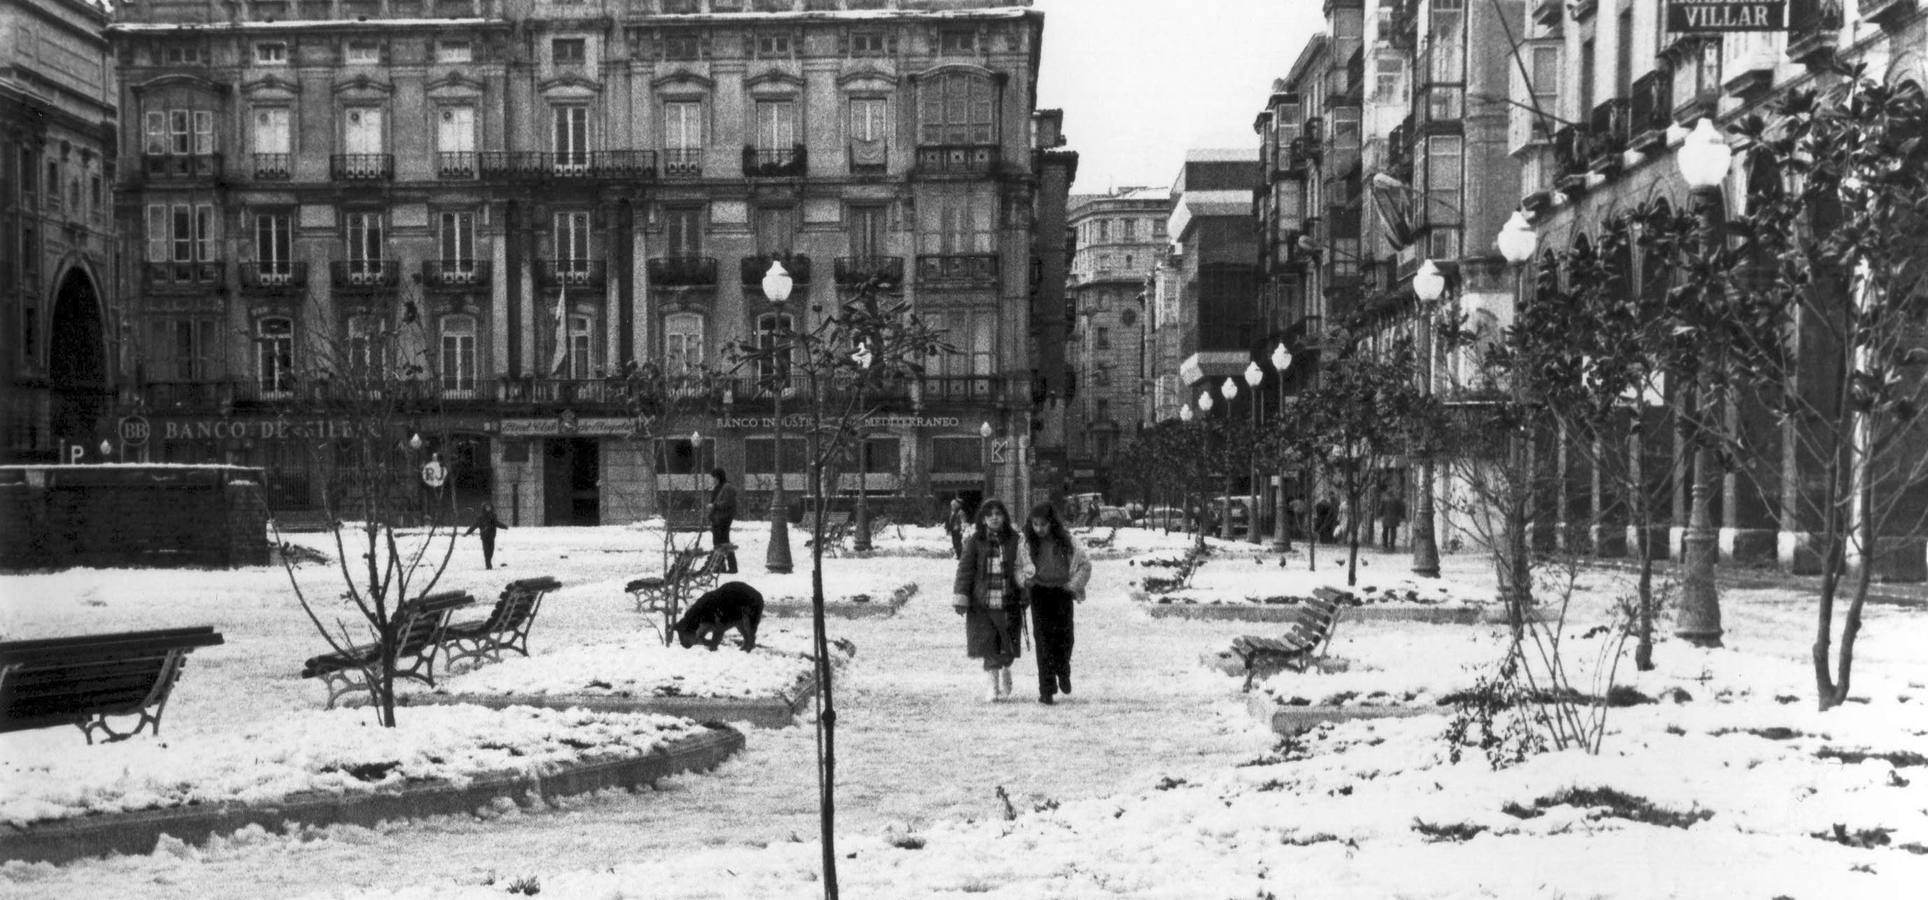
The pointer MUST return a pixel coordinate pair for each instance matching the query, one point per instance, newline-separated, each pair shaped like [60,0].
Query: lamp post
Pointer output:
[776,287]
[1704,159]
[1229,389]
[984,431]
[1254,375]
[1517,243]
[1281,524]
[861,542]
[1429,285]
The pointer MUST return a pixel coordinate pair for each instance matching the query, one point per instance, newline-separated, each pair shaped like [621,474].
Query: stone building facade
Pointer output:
[535,196]
[1118,238]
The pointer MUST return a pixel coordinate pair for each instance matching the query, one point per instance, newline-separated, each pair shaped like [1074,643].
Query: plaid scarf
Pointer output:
[994,571]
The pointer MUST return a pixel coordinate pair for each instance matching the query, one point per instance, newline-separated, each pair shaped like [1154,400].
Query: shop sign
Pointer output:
[262,429]
[758,423]
[568,426]
[1726,15]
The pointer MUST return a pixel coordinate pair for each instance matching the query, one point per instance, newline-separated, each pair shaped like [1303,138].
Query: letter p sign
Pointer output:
[76,453]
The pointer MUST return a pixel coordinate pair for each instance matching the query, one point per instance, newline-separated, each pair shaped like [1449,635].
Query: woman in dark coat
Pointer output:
[1054,571]
[987,595]
[487,523]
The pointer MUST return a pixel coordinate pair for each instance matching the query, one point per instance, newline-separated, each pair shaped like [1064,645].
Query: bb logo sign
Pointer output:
[134,431]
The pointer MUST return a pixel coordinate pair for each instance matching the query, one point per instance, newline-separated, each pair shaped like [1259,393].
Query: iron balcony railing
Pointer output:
[274,276]
[363,274]
[683,162]
[1650,109]
[768,162]
[682,271]
[853,271]
[447,273]
[957,269]
[1608,129]
[273,166]
[958,159]
[1569,150]
[570,272]
[181,165]
[179,276]
[456,165]
[531,165]
[361,166]
[752,268]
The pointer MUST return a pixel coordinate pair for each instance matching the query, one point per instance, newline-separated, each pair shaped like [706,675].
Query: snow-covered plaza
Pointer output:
[1153,779]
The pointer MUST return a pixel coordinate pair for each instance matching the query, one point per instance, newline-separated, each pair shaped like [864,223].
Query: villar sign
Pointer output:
[1726,15]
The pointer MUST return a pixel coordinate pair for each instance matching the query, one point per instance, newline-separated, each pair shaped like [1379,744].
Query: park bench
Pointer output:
[1303,642]
[420,624]
[506,628]
[692,571]
[82,680]
[836,527]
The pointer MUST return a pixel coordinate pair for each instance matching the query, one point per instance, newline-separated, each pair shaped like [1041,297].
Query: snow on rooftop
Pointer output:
[1221,154]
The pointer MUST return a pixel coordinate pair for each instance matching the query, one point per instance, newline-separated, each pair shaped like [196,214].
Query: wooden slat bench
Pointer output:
[82,680]
[420,622]
[692,571]
[1303,642]
[506,628]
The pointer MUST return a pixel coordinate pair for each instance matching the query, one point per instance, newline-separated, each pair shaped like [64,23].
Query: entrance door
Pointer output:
[570,479]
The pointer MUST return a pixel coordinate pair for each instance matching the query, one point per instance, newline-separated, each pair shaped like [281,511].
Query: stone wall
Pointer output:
[159,516]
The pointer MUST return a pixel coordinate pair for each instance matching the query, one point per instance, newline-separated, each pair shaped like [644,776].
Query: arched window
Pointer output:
[458,355]
[957,108]
[274,352]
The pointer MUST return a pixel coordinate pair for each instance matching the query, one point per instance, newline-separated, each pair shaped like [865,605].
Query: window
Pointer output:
[1443,178]
[53,183]
[458,354]
[180,233]
[1446,42]
[1103,342]
[768,327]
[1546,81]
[572,241]
[957,221]
[367,346]
[571,127]
[362,131]
[682,46]
[1386,72]
[867,43]
[957,40]
[95,186]
[362,53]
[184,349]
[455,241]
[679,456]
[179,132]
[769,45]
[453,52]
[683,230]
[272,133]
[1586,78]
[776,229]
[1128,229]
[274,247]
[455,142]
[274,350]
[1623,55]
[682,343]
[578,348]
[271,53]
[957,454]
[868,226]
[957,108]
[760,457]
[867,119]
[1128,318]
[776,124]
[568,51]
[974,336]
[683,137]
[1101,410]
[365,245]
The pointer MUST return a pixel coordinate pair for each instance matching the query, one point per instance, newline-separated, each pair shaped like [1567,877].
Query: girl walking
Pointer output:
[1056,574]
[987,595]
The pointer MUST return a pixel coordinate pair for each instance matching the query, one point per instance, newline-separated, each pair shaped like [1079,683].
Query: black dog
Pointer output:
[732,605]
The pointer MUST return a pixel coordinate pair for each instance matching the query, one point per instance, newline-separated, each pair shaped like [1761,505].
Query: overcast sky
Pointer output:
[1141,81]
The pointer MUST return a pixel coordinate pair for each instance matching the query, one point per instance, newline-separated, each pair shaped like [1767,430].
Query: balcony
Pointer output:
[455,273]
[1547,12]
[1813,30]
[570,272]
[855,271]
[455,166]
[959,388]
[957,270]
[751,268]
[183,276]
[683,162]
[682,271]
[363,275]
[1607,134]
[180,166]
[951,160]
[565,391]
[361,166]
[1570,151]
[1293,161]
[279,277]
[186,396]
[765,162]
[579,165]
[273,166]
[1650,111]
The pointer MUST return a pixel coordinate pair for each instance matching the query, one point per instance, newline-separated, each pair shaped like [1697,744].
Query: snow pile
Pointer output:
[328,752]
[643,667]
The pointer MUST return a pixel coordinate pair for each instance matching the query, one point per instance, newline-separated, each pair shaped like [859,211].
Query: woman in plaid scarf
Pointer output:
[987,595]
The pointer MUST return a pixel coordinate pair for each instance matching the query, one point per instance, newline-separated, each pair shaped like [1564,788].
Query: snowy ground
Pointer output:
[1151,780]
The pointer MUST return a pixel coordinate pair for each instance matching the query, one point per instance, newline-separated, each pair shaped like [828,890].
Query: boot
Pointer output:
[992,694]
[1004,682]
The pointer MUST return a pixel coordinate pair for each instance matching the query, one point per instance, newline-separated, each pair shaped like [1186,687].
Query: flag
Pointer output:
[562,333]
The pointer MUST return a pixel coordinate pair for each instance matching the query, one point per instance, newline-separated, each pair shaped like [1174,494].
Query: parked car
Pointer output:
[1113,517]
[1164,518]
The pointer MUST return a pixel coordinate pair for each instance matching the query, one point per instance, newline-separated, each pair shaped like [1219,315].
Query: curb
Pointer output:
[1290,720]
[139,832]
[844,609]
[1251,612]
[771,712]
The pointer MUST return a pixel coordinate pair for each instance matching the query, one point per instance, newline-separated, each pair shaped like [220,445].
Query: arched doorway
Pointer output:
[77,360]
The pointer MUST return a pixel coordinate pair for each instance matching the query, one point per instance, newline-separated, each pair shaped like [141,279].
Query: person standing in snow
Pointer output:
[1054,569]
[722,516]
[987,594]
[487,523]
[954,525]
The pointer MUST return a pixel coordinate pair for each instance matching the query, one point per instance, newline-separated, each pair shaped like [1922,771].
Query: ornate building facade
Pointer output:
[1118,238]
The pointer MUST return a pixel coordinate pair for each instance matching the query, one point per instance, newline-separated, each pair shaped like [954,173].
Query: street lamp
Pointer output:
[1704,159]
[1517,243]
[861,542]
[1281,527]
[984,431]
[776,288]
[1429,285]
[1254,375]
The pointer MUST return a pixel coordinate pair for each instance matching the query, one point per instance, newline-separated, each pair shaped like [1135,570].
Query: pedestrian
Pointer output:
[954,524]
[722,516]
[1325,519]
[987,595]
[1392,514]
[1054,571]
[486,523]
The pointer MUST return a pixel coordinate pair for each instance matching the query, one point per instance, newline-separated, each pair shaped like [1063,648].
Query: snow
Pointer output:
[1151,780]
